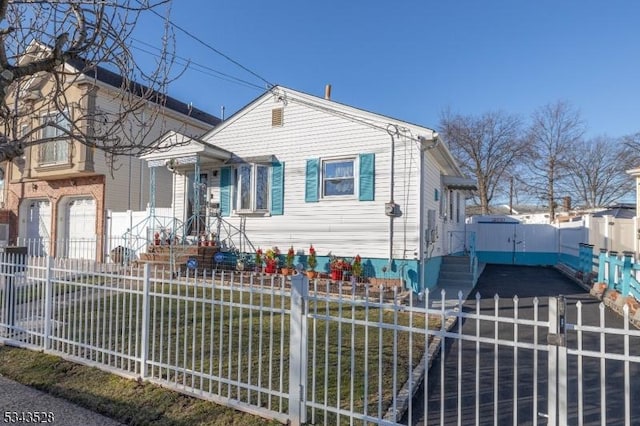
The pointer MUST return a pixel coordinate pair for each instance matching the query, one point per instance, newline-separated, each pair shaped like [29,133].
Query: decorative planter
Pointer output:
[336,275]
[270,269]
[311,274]
[285,271]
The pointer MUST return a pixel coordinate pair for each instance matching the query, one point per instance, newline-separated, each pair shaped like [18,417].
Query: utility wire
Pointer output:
[193,65]
[208,46]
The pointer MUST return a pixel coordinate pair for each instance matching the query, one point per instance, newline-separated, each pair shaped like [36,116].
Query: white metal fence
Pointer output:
[327,353]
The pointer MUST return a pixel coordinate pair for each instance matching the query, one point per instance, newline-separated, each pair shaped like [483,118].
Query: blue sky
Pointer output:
[412,59]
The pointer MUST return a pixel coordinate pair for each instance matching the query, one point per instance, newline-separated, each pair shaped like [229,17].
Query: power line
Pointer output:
[189,63]
[208,46]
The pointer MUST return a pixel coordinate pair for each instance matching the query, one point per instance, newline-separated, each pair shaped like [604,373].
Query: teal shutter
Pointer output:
[277,188]
[312,178]
[367,177]
[225,191]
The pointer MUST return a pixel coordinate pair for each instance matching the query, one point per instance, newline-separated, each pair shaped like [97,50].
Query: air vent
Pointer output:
[276,117]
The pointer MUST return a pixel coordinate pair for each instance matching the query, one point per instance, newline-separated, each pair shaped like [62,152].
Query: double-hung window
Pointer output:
[55,151]
[338,177]
[252,186]
[345,178]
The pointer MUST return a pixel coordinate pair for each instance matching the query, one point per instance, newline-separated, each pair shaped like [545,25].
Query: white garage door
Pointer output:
[80,228]
[38,227]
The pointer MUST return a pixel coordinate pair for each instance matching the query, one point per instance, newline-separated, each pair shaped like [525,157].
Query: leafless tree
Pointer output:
[48,47]
[488,148]
[555,131]
[596,172]
[632,142]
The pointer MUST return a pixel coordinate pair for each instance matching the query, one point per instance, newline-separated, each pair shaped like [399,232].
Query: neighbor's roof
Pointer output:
[619,211]
[116,80]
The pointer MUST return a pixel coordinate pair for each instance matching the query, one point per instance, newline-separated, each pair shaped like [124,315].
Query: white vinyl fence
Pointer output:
[613,234]
[326,353]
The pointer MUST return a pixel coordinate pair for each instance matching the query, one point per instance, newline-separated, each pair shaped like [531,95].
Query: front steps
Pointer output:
[160,256]
[455,276]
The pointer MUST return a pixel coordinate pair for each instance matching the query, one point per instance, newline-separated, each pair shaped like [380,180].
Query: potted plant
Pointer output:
[288,262]
[271,260]
[258,260]
[312,262]
[338,268]
[356,268]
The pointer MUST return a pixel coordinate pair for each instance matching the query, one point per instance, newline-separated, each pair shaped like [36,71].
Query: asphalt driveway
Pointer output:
[469,366]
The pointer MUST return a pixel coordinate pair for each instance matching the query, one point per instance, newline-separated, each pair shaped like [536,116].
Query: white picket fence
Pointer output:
[325,353]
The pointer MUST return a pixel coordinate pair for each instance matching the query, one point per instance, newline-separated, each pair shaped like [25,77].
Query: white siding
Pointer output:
[128,188]
[345,227]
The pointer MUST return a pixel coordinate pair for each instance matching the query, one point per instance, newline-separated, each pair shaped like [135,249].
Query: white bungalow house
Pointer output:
[292,169]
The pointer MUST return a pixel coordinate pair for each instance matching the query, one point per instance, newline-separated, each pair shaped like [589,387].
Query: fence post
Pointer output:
[588,249]
[602,260]
[626,273]
[298,349]
[48,303]
[557,339]
[612,260]
[144,344]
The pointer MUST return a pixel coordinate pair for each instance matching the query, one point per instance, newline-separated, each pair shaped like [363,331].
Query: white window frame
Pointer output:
[61,157]
[356,166]
[237,199]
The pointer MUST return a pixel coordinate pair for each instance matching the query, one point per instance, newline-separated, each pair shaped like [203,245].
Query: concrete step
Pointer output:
[453,282]
[455,260]
[463,275]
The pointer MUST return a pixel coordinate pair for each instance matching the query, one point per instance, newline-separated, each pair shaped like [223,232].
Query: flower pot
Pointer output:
[270,269]
[285,271]
[311,274]
[336,275]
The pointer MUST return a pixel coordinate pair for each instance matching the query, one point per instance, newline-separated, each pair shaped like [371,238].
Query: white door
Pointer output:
[80,228]
[38,227]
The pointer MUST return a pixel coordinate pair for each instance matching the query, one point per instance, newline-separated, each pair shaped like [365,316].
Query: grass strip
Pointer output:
[124,400]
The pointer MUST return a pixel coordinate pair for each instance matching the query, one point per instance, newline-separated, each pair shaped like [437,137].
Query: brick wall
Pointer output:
[56,191]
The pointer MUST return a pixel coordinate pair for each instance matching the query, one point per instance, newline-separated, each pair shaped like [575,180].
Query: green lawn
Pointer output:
[210,335]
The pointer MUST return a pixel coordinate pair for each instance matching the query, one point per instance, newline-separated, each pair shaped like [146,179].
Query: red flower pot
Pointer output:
[336,274]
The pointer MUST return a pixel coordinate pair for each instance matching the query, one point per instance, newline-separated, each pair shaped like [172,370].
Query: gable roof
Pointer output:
[116,80]
[426,136]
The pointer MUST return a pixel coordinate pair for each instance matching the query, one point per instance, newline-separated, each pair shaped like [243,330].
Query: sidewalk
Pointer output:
[26,402]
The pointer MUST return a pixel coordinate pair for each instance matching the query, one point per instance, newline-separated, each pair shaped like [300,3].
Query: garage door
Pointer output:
[38,227]
[80,228]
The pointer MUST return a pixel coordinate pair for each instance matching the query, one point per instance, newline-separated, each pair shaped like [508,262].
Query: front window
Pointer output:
[252,183]
[55,151]
[338,178]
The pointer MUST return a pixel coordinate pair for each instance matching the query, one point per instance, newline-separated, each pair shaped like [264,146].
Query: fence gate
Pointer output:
[534,367]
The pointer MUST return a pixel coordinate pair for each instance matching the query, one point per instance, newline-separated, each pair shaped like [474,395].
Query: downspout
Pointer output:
[393,131]
[421,238]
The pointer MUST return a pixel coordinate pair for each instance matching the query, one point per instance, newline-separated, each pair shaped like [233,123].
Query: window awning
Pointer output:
[457,182]
[258,159]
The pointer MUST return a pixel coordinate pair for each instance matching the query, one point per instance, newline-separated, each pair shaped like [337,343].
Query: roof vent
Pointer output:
[277,115]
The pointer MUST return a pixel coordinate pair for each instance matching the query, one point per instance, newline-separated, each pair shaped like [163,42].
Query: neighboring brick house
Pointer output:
[60,191]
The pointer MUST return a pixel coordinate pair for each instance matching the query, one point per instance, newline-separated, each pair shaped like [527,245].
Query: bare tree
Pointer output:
[48,47]
[632,142]
[488,147]
[555,130]
[596,172]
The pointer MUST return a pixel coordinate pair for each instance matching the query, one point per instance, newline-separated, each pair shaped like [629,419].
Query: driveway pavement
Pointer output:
[468,365]
[21,404]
